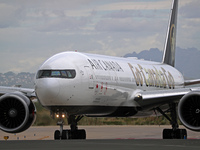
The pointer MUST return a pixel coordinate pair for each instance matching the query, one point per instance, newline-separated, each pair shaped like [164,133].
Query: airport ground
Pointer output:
[97,132]
[100,137]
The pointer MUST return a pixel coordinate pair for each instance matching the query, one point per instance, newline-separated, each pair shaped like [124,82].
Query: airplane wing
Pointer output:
[30,93]
[152,99]
[192,82]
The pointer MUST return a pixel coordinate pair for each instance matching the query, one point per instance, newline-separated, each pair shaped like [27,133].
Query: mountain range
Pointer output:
[187,61]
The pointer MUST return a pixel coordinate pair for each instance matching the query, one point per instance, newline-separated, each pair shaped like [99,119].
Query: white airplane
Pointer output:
[73,85]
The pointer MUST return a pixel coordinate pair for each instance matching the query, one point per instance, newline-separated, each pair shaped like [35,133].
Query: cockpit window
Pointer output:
[69,74]
[64,73]
[56,74]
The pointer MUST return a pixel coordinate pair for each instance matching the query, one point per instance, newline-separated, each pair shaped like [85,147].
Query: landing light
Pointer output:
[58,116]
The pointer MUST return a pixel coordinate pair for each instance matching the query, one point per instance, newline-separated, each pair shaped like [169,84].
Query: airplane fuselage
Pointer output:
[100,85]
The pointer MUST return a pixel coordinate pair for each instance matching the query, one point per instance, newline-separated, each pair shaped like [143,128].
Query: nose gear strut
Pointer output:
[73,133]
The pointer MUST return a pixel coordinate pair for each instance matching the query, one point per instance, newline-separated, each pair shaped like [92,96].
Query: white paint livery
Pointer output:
[102,80]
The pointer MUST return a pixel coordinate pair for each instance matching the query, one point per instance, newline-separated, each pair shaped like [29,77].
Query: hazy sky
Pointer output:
[33,30]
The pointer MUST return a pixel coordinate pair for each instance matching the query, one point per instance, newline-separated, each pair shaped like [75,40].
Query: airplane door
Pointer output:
[89,76]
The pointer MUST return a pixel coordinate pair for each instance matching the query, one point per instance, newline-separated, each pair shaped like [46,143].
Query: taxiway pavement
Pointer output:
[97,132]
[99,138]
[101,145]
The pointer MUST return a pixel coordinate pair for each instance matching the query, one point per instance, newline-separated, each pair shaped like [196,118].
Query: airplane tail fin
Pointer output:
[170,44]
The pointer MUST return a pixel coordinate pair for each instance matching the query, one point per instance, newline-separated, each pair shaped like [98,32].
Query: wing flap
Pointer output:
[152,99]
[161,94]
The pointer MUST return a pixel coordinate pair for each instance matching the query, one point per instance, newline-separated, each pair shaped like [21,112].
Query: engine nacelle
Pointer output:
[17,112]
[189,111]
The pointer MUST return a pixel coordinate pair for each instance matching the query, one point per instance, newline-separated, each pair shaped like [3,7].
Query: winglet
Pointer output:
[170,44]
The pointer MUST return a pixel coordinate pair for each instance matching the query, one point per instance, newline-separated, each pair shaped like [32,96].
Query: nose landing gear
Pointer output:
[73,133]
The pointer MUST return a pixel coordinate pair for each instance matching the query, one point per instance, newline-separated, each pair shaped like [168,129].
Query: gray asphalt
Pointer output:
[100,137]
[101,145]
[97,132]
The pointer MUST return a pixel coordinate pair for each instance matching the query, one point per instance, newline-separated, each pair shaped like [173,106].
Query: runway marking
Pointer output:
[43,138]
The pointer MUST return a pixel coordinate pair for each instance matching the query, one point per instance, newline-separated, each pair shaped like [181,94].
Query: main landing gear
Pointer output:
[175,132]
[73,133]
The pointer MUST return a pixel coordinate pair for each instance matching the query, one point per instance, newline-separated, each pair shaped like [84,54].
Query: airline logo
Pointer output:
[105,65]
[152,77]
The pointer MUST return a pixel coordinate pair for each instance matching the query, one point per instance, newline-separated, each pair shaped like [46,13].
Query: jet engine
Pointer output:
[189,111]
[17,112]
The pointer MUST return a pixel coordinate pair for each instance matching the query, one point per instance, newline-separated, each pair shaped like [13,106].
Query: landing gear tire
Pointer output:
[65,135]
[174,134]
[57,135]
[68,134]
[82,134]
[78,134]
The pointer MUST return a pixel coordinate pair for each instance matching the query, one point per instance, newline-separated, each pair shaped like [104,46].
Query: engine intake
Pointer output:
[17,112]
[189,111]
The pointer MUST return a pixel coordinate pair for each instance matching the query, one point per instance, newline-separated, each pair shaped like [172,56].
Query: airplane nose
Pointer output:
[47,90]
